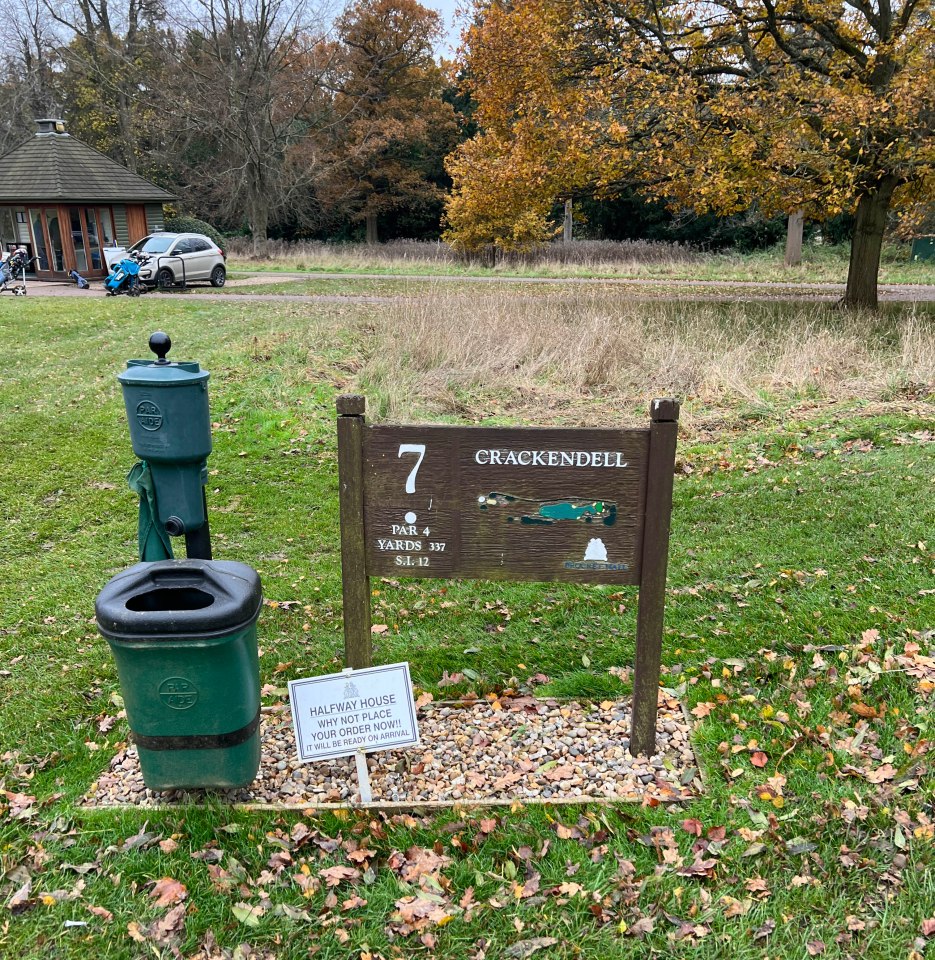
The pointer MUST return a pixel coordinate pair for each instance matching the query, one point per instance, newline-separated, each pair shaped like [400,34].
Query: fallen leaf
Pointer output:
[419,862]
[815,947]
[247,914]
[169,928]
[20,900]
[379,628]
[759,759]
[168,891]
[641,927]
[761,933]
[526,948]
[335,875]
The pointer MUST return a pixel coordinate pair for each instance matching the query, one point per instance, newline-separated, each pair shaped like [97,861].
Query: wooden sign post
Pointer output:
[503,503]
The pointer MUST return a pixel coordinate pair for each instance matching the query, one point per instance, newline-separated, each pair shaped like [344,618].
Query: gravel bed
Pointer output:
[522,749]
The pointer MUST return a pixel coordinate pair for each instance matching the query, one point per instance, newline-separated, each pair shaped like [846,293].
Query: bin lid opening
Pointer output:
[170,598]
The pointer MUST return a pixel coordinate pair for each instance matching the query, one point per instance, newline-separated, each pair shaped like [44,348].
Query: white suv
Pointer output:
[180,258]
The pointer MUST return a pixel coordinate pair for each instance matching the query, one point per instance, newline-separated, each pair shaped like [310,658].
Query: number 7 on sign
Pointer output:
[419,449]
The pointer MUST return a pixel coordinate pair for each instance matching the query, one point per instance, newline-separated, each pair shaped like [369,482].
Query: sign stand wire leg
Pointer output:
[363,777]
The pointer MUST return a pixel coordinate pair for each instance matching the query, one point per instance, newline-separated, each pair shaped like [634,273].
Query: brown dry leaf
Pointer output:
[564,772]
[694,827]
[734,907]
[758,887]
[169,928]
[379,628]
[488,825]
[168,891]
[416,913]
[168,846]
[886,771]
[335,875]
[700,868]
[642,926]
[20,805]
[527,889]
[526,948]
[761,933]
[101,912]
[352,903]
[703,709]
[759,759]
[20,901]
[815,947]
[424,700]
[420,861]
[135,932]
[928,927]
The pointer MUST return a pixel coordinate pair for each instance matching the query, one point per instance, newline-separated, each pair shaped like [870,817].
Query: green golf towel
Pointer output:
[154,541]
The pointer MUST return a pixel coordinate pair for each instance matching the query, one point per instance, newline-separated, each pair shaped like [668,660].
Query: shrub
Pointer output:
[194,225]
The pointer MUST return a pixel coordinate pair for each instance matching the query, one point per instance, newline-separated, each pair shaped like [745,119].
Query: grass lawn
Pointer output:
[800,617]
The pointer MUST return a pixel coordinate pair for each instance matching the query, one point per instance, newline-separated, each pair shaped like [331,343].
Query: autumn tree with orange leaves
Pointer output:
[392,126]
[816,105]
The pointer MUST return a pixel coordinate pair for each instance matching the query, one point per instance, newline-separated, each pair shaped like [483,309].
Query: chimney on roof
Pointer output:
[51,125]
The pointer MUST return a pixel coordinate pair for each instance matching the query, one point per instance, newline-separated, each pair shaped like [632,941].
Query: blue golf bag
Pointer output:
[125,276]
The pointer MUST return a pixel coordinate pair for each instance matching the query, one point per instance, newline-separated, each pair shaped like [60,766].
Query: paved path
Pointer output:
[651,288]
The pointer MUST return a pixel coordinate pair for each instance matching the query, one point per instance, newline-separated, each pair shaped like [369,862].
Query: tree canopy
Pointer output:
[798,104]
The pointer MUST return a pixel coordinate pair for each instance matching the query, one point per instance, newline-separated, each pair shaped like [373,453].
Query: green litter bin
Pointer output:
[183,633]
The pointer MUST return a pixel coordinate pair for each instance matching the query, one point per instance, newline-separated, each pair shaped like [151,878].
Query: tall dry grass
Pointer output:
[585,254]
[539,356]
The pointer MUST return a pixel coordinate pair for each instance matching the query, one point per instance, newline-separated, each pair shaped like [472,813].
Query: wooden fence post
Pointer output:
[794,231]
[354,579]
[660,476]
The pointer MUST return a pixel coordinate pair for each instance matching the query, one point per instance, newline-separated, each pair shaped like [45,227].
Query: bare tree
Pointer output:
[28,62]
[113,46]
[250,100]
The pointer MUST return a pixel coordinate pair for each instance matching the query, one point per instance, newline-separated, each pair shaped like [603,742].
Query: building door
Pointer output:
[90,229]
[136,222]
[47,241]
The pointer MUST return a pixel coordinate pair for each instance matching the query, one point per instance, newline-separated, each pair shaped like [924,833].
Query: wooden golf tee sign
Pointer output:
[588,505]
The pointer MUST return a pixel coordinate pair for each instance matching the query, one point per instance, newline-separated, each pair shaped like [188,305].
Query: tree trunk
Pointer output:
[566,234]
[372,236]
[794,239]
[862,273]
[259,225]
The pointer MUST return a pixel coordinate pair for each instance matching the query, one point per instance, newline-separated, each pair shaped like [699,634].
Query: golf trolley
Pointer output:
[13,271]
[124,277]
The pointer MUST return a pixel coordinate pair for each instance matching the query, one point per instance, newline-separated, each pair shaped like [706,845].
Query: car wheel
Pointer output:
[218,276]
[165,278]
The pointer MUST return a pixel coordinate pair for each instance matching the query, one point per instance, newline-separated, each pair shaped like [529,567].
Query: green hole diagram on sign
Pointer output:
[547,512]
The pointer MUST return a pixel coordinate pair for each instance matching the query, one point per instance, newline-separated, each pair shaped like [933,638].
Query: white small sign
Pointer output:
[357,710]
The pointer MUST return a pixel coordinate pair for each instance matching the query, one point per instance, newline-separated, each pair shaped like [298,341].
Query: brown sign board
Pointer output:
[499,503]
[504,504]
